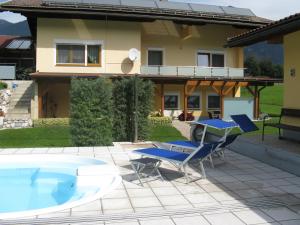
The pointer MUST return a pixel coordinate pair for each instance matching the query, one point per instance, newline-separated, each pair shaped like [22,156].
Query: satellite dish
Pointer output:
[133,54]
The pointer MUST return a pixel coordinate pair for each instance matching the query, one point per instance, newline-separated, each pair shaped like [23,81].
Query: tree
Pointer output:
[278,71]
[266,68]
[252,66]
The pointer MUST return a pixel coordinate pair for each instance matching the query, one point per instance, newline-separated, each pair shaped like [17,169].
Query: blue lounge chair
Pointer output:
[245,124]
[181,159]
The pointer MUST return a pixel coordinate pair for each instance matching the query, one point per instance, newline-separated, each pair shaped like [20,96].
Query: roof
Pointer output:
[277,28]
[150,9]
[13,42]
[253,80]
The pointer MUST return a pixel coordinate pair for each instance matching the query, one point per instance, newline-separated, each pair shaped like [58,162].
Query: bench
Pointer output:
[285,112]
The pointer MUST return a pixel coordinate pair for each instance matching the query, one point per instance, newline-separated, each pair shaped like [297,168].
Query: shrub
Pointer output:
[91,112]
[3,85]
[51,122]
[157,121]
[124,108]
[24,73]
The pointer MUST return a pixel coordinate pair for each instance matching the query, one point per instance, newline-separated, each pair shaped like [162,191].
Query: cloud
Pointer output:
[12,17]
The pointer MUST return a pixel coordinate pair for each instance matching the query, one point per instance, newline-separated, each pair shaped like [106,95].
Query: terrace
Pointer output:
[239,191]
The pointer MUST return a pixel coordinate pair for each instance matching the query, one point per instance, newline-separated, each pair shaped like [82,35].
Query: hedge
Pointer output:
[91,112]
[124,108]
[51,122]
[165,120]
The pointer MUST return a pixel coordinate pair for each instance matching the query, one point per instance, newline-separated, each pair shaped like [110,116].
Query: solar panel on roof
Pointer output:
[25,45]
[206,8]
[101,2]
[237,11]
[15,44]
[200,8]
[139,3]
[173,5]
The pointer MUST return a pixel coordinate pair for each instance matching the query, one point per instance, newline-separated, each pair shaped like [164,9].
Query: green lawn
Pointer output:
[35,137]
[165,134]
[271,99]
[60,136]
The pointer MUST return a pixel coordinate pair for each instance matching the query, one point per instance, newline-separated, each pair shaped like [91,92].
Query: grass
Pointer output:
[35,137]
[271,99]
[165,134]
[59,136]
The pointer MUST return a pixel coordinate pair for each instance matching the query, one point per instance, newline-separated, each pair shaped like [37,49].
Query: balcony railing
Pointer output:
[193,71]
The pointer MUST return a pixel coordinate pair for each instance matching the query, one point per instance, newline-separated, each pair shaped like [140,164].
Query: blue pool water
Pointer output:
[25,189]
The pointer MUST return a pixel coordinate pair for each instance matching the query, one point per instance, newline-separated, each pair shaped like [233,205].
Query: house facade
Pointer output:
[287,33]
[180,48]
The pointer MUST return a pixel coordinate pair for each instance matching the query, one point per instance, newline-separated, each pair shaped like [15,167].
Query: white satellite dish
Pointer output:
[133,54]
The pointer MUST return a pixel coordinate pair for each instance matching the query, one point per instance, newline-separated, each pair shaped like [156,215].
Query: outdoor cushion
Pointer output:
[205,150]
[246,125]
[163,153]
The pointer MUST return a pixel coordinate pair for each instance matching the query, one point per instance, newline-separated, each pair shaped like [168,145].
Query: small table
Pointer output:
[139,165]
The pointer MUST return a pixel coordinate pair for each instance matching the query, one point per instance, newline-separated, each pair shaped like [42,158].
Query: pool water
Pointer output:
[24,189]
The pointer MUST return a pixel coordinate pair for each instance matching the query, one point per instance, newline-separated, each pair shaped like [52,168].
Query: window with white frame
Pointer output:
[211,59]
[194,101]
[213,102]
[78,54]
[171,101]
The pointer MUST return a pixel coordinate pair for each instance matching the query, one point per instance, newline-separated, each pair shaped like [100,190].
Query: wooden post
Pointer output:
[162,96]
[185,107]
[256,103]
[222,99]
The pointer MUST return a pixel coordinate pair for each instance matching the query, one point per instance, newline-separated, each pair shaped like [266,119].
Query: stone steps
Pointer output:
[20,101]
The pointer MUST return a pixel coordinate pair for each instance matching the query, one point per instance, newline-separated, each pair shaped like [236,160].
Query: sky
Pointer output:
[271,9]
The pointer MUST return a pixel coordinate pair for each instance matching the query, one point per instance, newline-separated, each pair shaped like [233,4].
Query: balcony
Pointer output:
[193,71]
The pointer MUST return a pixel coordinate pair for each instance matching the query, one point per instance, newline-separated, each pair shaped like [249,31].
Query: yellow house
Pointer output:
[179,46]
[286,32]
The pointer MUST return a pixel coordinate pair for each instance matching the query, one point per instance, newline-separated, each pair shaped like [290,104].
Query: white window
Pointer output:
[194,101]
[155,57]
[211,59]
[78,54]
[171,101]
[213,102]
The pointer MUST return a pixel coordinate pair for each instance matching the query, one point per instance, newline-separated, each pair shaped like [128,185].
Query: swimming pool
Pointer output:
[37,184]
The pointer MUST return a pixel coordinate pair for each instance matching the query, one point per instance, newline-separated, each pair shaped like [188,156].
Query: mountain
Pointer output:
[264,51]
[14,29]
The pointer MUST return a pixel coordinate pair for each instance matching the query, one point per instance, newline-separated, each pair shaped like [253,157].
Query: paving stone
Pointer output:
[156,222]
[281,214]
[173,200]
[118,203]
[165,191]
[291,222]
[253,217]
[200,198]
[224,218]
[123,223]
[143,192]
[145,202]
[190,220]
[92,206]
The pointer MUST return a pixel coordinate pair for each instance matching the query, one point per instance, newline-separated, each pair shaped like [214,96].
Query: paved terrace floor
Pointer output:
[238,192]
